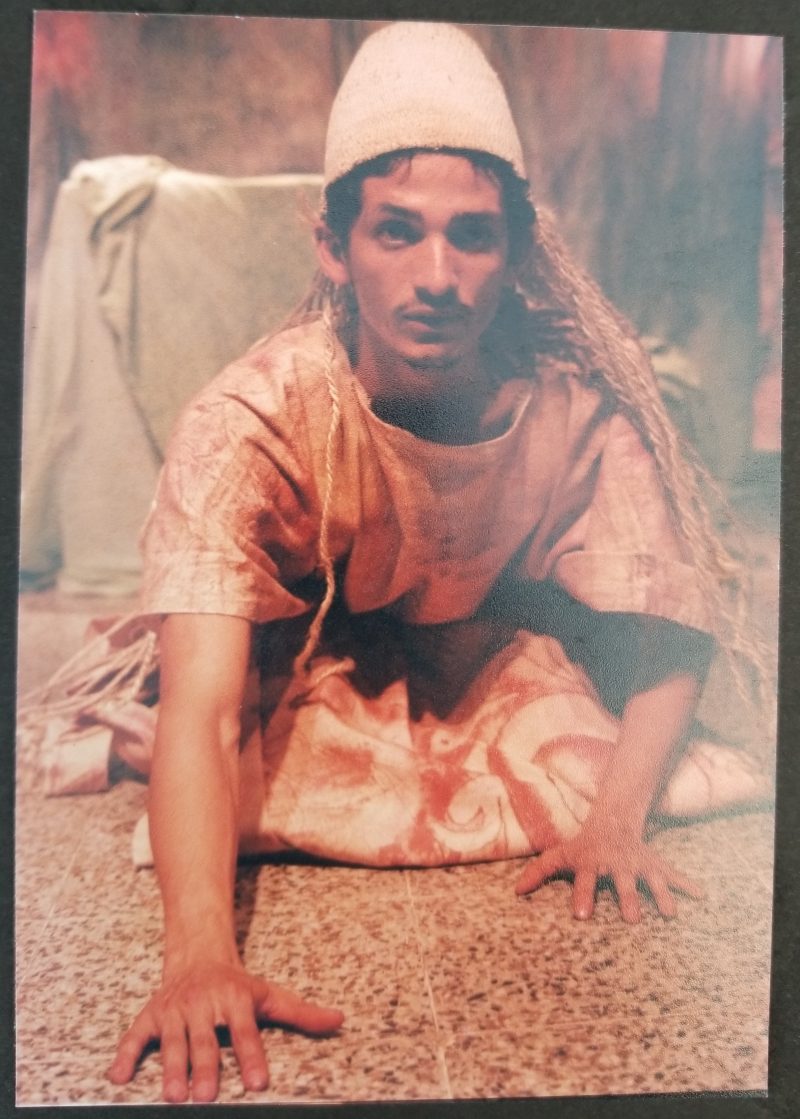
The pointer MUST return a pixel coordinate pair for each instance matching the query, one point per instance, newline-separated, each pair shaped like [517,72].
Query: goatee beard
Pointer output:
[419,365]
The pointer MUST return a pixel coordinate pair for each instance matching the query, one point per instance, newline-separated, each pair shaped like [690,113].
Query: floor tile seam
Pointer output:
[728,838]
[541,1083]
[549,1015]
[86,845]
[739,865]
[441,1059]
[744,873]
[52,901]
[580,1019]
[552,987]
[766,876]
[143,918]
[745,854]
[724,841]
[725,1069]
[694,943]
[649,1017]
[19,982]
[757,869]
[690,1037]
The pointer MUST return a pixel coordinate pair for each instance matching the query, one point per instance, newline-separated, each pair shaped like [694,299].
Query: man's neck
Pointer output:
[444,403]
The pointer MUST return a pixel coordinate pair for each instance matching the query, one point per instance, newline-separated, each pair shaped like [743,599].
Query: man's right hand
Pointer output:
[182,1016]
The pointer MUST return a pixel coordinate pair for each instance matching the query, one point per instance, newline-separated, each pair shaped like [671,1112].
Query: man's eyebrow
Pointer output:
[398,211]
[390,209]
[480,215]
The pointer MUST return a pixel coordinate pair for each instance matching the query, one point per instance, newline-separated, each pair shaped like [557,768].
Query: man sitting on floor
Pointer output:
[455,459]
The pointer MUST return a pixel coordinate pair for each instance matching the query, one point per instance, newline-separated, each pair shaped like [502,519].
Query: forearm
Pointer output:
[194,792]
[653,724]
[194,783]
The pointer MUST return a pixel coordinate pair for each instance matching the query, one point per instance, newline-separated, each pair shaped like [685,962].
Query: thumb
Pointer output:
[277,1004]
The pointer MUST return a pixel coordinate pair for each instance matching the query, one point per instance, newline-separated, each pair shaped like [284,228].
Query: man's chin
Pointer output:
[433,358]
[436,363]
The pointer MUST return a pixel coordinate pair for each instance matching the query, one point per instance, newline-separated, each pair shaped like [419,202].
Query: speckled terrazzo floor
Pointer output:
[452,986]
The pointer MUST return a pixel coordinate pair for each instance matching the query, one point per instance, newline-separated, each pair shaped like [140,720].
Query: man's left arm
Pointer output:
[610,843]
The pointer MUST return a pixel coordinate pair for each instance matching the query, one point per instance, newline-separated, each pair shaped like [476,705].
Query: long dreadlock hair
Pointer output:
[557,308]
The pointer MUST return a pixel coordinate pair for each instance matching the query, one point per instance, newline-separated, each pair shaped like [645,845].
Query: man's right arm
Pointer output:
[193,809]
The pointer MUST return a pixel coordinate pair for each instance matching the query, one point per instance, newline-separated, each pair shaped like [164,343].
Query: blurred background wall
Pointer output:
[660,151]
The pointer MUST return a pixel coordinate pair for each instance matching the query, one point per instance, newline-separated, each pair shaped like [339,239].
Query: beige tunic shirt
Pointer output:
[567,492]
[447,733]
[452,713]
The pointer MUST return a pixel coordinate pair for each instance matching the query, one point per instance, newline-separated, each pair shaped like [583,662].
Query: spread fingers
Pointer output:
[249,1050]
[583,894]
[130,1048]
[174,1059]
[204,1051]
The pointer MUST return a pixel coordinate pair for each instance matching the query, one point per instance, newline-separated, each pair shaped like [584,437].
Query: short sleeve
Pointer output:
[620,552]
[234,523]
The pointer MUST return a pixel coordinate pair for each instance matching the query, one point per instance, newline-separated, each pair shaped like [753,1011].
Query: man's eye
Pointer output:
[474,236]
[396,233]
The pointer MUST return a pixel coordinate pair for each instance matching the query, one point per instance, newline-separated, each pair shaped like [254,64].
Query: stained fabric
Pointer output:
[460,721]
[567,492]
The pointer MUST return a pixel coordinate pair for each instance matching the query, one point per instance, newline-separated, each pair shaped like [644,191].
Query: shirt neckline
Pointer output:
[418,443]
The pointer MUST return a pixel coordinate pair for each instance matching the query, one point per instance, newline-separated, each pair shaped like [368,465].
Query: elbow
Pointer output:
[194,730]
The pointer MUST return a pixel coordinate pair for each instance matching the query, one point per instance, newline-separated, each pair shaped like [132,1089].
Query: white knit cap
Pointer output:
[419,85]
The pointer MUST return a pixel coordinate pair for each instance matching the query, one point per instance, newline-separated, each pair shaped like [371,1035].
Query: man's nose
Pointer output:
[436,275]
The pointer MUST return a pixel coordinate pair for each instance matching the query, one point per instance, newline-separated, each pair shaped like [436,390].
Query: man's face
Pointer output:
[427,258]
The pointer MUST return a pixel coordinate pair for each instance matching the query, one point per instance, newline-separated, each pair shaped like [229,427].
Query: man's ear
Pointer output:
[331,255]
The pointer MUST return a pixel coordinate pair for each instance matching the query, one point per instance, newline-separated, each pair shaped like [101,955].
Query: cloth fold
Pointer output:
[438,725]
[134,316]
[373,766]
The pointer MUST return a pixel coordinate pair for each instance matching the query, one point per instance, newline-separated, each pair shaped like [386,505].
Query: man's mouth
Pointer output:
[436,320]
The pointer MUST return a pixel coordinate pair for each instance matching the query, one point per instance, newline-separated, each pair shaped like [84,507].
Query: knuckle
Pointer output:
[129,1047]
[243,1009]
[235,995]
[204,1047]
[251,1037]
[173,1031]
[147,1016]
[194,1001]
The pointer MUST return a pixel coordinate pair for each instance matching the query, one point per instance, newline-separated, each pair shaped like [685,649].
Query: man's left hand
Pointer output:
[606,851]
